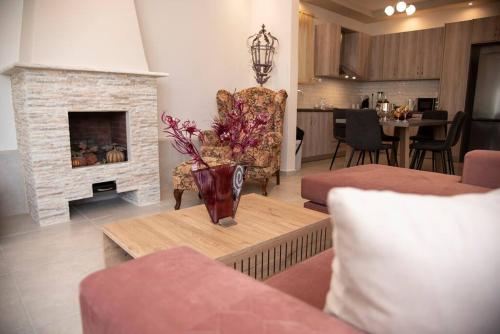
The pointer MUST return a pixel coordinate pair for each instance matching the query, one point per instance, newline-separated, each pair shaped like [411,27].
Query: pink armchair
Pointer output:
[264,159]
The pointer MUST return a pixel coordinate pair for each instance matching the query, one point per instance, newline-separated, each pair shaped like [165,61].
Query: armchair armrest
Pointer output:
[182,291]
[482,168]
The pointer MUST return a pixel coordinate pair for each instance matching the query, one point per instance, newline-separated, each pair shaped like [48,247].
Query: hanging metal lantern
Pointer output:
[262,48]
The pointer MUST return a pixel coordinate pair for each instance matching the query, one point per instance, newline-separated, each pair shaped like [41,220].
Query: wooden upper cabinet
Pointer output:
[408,56]
[391,53]
[486,30]
[376,58]
[327,50]
[431,48]
[306,48]
[355,48]
[453,84]
[420,54]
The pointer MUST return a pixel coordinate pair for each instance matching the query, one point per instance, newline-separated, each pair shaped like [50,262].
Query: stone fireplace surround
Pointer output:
[43,96]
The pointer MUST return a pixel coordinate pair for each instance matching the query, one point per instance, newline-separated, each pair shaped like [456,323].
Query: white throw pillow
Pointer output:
[416,264]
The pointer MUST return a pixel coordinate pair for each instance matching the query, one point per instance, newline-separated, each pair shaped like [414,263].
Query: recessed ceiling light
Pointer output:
[389,10]
[470,3]
[346,76]
[410,10]
[354,78]
[401,6]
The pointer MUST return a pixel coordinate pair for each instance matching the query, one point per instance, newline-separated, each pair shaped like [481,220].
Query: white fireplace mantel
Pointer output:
[11,69]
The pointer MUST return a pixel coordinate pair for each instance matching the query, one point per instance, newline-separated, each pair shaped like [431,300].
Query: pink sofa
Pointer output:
[181,291]
[481,173]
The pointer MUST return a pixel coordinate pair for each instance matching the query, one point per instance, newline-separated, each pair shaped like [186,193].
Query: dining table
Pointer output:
[402,129]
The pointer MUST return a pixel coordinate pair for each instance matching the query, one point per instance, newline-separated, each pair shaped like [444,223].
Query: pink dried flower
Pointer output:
[183,136]
[239,132]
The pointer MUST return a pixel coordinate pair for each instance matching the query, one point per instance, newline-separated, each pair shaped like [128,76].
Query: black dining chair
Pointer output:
[394,141]
[441,147]
[339,125]
[363,134]
[425,133]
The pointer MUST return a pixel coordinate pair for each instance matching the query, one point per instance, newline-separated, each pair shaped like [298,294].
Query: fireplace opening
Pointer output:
[97,138]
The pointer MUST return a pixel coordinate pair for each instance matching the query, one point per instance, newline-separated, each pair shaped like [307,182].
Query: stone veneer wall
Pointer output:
[42,99]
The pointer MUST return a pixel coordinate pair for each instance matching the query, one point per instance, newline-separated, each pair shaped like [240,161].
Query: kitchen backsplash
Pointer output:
[343,93]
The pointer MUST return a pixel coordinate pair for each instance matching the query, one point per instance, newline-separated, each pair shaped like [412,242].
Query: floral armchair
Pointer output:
[263,160]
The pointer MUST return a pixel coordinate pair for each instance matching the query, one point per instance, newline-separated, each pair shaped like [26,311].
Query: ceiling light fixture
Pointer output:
[410,10]
[389,10]
[401,6]
[470,3]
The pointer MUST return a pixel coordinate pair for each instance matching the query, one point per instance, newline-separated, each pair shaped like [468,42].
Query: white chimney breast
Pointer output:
[90,34]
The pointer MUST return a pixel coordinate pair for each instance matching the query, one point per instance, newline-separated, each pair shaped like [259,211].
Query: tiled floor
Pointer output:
[40,268]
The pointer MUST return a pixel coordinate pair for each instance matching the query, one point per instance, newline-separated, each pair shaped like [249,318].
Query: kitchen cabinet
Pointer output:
[355,48]
[454,76]
[306,48]
[391,54]
[327,49]
[408,55]
[420,54]
[318,134]
[486,30]
[430,48]
[376,58]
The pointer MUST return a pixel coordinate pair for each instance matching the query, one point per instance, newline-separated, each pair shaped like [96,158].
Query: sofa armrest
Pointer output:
[482,168]
[182,291]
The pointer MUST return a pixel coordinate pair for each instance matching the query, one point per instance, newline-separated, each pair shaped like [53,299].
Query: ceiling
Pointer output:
[368,11]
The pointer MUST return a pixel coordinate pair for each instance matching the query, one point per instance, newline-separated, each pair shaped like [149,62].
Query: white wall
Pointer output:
[281,18]
[202,45]
[91,33]
[10,36]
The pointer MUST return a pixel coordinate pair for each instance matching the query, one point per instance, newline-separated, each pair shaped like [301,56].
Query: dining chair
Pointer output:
[338,130]
[441,147]
[427,132]
[363,134]
[394,141]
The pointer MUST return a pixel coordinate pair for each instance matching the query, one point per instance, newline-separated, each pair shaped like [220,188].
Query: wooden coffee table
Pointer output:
[270,236]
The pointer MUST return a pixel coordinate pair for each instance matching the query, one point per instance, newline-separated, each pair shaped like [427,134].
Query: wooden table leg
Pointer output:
[404,146]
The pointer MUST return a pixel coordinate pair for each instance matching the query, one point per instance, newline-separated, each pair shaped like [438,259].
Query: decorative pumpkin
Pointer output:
[115,155]
[77,162]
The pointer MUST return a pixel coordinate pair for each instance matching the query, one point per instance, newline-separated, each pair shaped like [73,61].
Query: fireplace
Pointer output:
[62,112]
[97,138]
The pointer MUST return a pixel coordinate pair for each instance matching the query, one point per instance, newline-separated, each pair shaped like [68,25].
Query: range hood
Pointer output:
[347,73]
[354,50]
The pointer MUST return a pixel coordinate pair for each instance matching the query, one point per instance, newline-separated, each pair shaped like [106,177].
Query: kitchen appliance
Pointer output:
[427,104]
[482,129]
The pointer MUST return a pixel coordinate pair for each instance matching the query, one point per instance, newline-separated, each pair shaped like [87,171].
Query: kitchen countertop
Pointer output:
[314,110]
